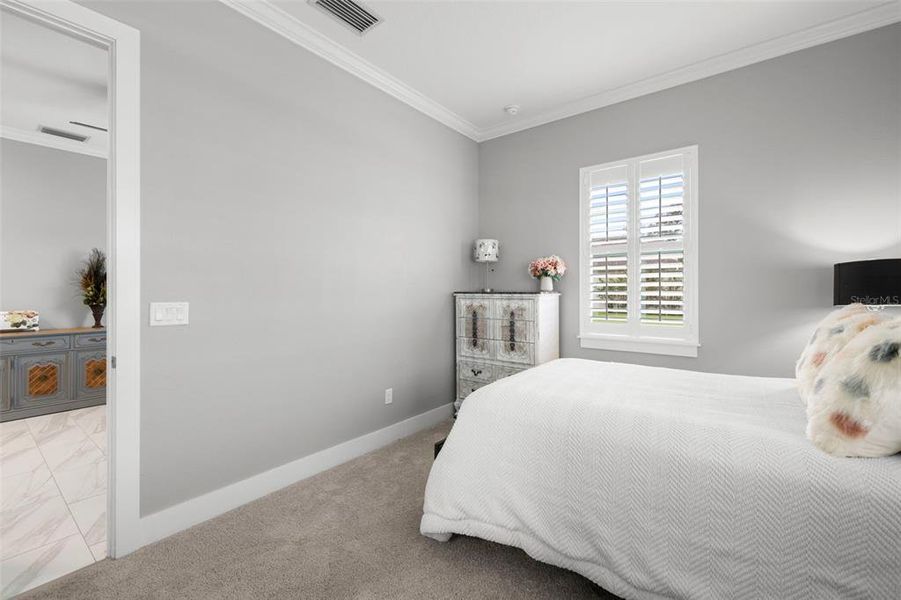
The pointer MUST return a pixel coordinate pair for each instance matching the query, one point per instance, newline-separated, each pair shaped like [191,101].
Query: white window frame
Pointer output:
[633,335]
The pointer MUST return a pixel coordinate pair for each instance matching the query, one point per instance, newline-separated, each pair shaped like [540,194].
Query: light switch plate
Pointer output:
[164,314]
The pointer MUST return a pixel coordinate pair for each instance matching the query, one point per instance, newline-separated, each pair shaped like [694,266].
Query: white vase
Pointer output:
[547,284]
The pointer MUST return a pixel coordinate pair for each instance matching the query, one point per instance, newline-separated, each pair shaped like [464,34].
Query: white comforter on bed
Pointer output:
[661,483]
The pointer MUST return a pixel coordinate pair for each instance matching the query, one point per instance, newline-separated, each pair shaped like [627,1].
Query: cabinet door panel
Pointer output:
[90,374]
[5,377]
[41,379]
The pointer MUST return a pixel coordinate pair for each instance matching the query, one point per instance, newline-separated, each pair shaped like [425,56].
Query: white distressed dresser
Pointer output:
[499,334]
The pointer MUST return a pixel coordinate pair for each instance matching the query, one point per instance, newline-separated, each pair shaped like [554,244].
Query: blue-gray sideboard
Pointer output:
[51,371]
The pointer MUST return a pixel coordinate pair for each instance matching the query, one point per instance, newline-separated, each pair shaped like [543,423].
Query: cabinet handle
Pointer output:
[476,372]
[42,344]
[96,339]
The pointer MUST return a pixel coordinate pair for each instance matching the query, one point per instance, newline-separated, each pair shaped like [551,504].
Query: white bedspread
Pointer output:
[661,483]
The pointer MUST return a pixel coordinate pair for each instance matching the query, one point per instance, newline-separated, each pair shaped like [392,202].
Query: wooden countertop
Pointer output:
[72,330]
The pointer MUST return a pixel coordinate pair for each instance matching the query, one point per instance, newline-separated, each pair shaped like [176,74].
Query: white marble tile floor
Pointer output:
[53,482]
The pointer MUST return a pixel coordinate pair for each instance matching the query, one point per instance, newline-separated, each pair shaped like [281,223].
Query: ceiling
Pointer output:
[464,61]
[461,62]
[48,78]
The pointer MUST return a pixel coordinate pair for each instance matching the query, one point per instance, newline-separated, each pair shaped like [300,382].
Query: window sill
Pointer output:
[643,345]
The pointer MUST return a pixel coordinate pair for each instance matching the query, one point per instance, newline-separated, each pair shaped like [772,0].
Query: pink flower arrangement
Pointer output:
[548,266]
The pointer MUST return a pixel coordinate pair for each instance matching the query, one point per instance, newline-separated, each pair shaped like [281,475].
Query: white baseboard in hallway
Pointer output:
[202,508]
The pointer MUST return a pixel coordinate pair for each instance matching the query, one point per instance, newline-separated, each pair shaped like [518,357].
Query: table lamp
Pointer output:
[876,283]
[486,251]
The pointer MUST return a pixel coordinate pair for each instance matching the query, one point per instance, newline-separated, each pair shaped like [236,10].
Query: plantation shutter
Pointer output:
[608,233]
[661,224]
[638,261]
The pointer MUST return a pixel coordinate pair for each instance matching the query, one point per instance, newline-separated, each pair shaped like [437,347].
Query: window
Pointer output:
[638,260]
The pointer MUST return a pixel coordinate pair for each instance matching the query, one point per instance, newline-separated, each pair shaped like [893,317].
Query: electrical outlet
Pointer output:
[389,395]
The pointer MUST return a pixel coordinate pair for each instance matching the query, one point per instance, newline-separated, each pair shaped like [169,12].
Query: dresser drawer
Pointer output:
[476,371]
[497,329]
[518,309]
[505,371]
[34,344]
[469,308]
[518,352]
[475,348]
[465,387]
[90,340]
[510,330]
[480,329]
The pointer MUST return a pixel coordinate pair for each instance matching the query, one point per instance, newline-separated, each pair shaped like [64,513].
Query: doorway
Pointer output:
[69,211]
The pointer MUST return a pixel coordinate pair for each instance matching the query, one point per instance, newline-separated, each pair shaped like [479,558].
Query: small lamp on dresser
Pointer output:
[486,251]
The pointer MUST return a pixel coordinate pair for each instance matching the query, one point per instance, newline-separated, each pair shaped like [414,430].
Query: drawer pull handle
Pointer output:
[476,372]
[96,339]
[42,344]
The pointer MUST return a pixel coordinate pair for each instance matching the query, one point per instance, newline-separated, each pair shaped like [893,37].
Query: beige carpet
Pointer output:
[351,532]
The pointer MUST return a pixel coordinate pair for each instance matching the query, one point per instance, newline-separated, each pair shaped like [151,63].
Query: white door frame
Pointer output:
[124,249]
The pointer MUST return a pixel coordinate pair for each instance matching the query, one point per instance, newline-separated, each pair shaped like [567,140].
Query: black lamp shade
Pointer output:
[868,281]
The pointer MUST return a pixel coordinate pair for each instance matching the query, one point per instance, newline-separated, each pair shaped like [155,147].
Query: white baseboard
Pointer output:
[171,520]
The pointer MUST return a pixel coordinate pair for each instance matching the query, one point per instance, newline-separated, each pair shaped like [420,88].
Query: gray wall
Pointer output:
[799,168]
[52,212]
[317,227]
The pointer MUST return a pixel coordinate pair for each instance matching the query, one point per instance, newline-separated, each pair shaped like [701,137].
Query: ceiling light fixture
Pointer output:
[512,109]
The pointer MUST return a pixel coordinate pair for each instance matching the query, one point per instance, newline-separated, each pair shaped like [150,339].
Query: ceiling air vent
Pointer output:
[63,134]
[350,13]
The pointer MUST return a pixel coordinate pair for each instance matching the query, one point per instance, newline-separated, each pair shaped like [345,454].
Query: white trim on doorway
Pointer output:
[123,244]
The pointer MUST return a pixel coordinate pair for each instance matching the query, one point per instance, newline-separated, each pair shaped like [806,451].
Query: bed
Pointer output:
[661,483]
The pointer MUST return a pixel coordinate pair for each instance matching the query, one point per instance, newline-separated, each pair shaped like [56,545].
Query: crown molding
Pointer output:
[884,14]
[274,18]
[42,139]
